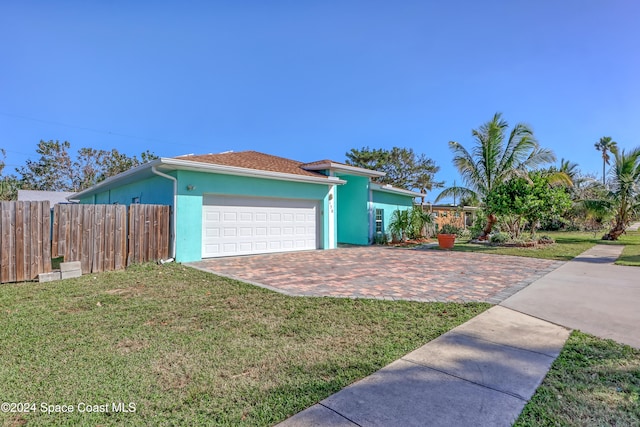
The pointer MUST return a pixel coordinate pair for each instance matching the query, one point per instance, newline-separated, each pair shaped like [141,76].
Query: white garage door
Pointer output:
[243,225]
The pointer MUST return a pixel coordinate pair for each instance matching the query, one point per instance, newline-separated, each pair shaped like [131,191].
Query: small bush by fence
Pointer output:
[101,237]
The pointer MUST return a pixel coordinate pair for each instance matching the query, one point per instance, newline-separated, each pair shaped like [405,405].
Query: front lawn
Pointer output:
[631,253]
[569,244]
[594,382]
[190,348]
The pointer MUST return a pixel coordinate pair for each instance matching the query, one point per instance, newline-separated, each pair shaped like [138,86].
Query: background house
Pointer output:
[460,216]
[53,197]
[248,202]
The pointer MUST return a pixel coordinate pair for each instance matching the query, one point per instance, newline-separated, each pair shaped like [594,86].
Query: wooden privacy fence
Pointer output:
[95,235]
[25,249]
[148,233]
[101,237]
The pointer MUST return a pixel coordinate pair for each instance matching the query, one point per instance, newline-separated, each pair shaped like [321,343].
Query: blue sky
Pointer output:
[309,80]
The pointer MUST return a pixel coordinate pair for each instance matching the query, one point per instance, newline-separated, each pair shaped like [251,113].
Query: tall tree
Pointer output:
[496,156]
[9,183]
[606,145]
[57,170]
[115,162]
[403,167]
[528,201]
[53,171]
[625,190]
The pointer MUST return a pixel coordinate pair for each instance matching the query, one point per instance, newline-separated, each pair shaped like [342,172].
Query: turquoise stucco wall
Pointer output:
[389,203]
[353,211]
[156,191]
[189,233]
[159,190]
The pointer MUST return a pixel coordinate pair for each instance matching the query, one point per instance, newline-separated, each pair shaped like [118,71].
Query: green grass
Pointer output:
[569,244]
[190,348]
[631,253]
[594,382]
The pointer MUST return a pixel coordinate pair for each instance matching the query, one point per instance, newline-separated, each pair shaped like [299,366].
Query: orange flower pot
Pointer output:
[446,241]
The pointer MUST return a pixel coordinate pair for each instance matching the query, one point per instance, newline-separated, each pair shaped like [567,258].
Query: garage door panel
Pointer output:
[240,226]
[246,217]
[245,232]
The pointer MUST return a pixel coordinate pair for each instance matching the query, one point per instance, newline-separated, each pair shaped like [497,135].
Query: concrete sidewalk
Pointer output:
[589,293]
[634,227]
[480,373]
[484,371]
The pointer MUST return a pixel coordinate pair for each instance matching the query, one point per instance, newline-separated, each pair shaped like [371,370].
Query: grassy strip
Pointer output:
[594,382]
[631,253]
[191,348]
[569,244]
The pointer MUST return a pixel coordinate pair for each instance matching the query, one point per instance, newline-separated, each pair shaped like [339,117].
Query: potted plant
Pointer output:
[447,236]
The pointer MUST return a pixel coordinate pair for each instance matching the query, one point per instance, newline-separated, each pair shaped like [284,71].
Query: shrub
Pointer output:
[499,237]
[546,240]
[464,233]
[399,224]
[419,222]
[380,239]
[449,229]
[479,223]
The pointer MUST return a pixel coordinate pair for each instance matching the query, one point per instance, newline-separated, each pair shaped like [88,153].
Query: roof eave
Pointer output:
[339,167]
[390,189]
[239,171]
[175,164]
[114,179]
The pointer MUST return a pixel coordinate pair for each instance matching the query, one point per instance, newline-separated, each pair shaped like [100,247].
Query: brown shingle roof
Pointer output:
[253,160]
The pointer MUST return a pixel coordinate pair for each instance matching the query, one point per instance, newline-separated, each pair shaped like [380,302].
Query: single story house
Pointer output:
[241,203]
[460,216]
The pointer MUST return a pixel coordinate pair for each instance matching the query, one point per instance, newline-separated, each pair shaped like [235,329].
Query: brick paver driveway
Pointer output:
[386,273]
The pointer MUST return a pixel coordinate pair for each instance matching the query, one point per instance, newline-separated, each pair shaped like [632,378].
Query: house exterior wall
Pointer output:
[159,190]
[353,210]
[189,209]
[389,203]
[156,191]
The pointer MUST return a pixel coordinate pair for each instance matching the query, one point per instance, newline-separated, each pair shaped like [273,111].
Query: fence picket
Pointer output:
[101,237]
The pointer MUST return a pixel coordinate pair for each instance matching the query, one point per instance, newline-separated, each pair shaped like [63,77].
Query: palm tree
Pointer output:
[495,157]
[625,190]
[569,168]
[606,145]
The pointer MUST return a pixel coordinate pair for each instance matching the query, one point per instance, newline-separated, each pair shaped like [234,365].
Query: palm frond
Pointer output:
[457,192]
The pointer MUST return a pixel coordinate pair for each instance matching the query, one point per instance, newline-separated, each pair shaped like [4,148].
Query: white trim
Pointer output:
[371,214]
[332,217]
[174,164]
[355,170]
[147,167]
[386,188]
[238,171]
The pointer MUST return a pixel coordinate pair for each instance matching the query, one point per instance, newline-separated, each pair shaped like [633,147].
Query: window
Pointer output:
[379,216]
[435,214]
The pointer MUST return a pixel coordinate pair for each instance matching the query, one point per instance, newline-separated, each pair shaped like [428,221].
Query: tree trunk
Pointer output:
[615,232]
[491,220]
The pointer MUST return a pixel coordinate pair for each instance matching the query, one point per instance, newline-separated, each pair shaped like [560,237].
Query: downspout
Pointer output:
[370,208]
[175,208]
